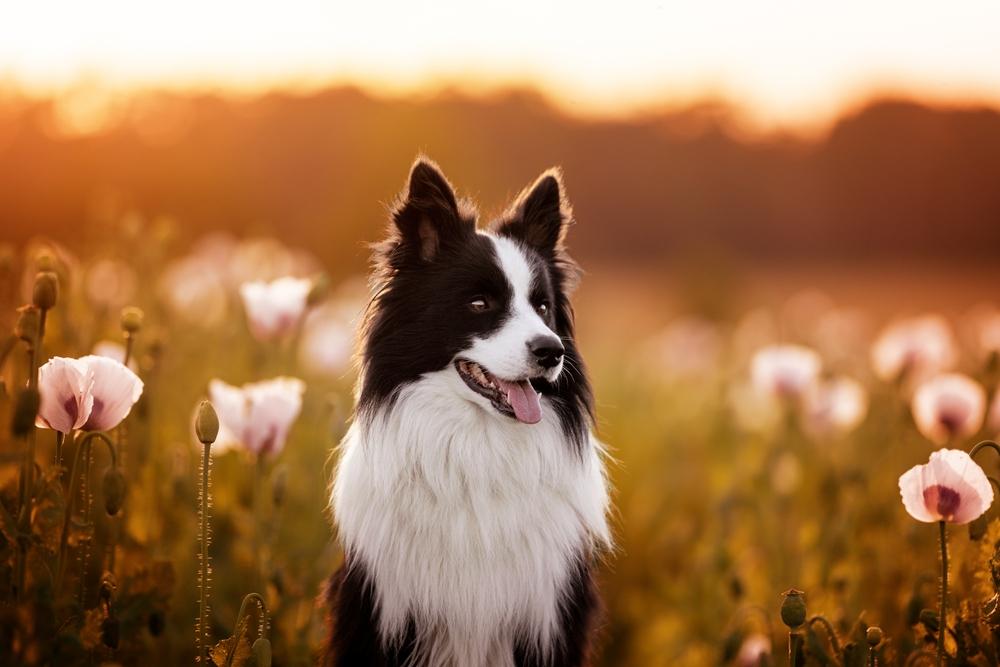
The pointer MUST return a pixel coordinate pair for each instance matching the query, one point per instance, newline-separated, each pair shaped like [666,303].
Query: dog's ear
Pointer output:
[540,215]
[427,212]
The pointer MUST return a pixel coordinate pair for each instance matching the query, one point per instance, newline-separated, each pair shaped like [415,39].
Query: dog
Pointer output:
[470,496]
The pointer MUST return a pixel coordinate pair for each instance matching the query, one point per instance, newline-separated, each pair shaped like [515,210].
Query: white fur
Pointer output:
[467,520]
[505,353]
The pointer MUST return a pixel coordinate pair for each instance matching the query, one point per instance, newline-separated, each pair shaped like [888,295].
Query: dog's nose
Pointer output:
[548,351]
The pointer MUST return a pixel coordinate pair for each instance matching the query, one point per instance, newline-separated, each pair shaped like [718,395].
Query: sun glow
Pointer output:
[785,62]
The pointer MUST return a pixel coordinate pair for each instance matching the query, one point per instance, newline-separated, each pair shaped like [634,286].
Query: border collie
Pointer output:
[470,496]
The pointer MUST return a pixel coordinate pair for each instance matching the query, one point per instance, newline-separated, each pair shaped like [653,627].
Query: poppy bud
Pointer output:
[25,411]
[874,636]
[131,319]
[793,608]
[262,652]
[110,631]
[113,490]
[206,423]
[26,326]
[46,290]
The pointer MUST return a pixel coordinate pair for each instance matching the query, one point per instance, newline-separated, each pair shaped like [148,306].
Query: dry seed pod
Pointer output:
[793,608]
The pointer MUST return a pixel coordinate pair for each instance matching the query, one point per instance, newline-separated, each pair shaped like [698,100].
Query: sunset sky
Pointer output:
[784,61]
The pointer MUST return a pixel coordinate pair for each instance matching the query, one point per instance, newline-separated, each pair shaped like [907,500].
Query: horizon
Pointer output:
[767,61]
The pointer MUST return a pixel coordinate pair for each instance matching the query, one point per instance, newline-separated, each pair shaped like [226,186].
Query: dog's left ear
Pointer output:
[540,215]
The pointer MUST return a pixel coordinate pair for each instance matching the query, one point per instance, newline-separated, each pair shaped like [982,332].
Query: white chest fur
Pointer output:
[467,521]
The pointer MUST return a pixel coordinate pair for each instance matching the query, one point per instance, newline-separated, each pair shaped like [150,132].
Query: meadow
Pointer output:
[757,446]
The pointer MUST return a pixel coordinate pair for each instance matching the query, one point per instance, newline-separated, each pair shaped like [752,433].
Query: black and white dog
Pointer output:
[470,495]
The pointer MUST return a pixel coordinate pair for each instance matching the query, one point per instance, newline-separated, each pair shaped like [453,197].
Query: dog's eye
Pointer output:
[542,307]
[479,305]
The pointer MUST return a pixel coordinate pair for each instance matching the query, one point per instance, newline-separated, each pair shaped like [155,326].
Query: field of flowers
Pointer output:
[793,487]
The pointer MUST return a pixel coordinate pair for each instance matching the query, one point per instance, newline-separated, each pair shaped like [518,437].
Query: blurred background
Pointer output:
[742,175]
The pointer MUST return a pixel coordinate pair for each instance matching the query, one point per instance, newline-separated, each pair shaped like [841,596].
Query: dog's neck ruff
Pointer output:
[467,523]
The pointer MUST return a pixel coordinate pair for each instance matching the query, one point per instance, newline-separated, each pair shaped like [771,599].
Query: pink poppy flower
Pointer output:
[834,407]
[274,309]
[950,487]
[115,390]
[915,348]
[753,650]
[66,399]
[786,371]
[92,393]
[257,416]
[949,406]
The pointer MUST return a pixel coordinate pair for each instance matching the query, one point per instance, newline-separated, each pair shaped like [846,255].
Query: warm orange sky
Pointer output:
[787,62]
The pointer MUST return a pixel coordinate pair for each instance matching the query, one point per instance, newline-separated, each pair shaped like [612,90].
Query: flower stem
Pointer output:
[258,482]
[85,444]
[942,617]
[203,635]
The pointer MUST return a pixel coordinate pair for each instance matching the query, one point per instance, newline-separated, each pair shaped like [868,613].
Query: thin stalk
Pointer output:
[942,618]
[258,483]
[27,478]
[85,443]
[203,635]
[60,436]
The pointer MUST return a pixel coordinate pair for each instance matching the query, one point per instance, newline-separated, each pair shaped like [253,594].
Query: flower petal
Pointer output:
[911,488]
[230,404]
[115,390]
[65,387]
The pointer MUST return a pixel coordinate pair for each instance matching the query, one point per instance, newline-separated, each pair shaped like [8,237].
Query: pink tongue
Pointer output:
[524,399]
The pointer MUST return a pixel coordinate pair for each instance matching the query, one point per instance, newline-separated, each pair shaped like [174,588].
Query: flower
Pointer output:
[258,415]
[949,406]
[950,487]
[753,649]
[786,371]
[327,340]
[688,348]
[274,309]
[92,393]
[834,407]
[915,348]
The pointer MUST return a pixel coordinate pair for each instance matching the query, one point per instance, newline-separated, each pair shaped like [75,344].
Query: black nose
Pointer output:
[548,351]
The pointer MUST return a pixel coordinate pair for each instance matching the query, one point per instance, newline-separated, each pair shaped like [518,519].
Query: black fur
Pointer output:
[353,639]
[432,264]
[429,268]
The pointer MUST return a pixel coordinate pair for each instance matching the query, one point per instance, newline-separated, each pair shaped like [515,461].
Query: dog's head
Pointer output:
[491,306]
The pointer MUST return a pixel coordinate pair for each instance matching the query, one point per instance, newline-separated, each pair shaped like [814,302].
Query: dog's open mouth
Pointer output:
[514,398]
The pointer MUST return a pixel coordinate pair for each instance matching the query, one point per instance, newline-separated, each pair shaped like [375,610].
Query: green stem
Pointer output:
[984,445]
[258,482]
[831,633]
[203,636]
[27,478]
[85,443]
[942,618]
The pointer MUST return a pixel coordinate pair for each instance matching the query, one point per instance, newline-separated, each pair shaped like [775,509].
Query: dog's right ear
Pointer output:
[427,212]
